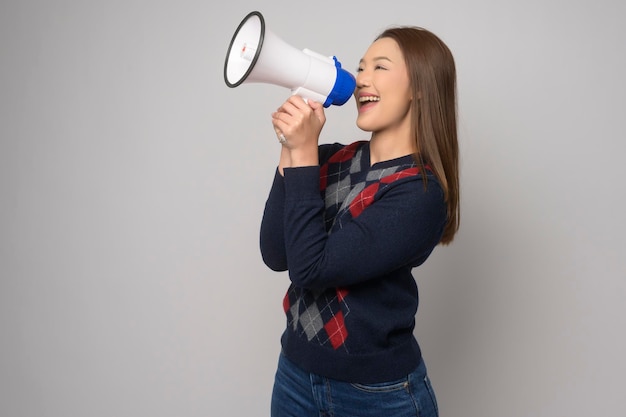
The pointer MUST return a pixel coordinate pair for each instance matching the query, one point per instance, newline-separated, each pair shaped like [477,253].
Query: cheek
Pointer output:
[399,108]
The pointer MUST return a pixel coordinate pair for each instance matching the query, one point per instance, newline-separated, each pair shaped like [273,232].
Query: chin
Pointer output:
[365,127]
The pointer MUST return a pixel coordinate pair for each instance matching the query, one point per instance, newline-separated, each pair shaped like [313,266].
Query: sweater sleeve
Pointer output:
[399,230]
[272,235]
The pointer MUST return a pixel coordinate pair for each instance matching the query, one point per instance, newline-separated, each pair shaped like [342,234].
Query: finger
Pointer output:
[314,104]
[277,123]
[318,109]
[297,101]
[282,121]
[280,126]
[289,108]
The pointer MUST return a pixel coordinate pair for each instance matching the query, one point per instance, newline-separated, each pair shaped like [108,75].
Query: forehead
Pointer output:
[384,47]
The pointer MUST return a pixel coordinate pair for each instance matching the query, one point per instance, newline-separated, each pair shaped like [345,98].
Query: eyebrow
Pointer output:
[377,58]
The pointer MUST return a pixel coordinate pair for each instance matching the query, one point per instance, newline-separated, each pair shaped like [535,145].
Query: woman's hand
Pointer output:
[300,122]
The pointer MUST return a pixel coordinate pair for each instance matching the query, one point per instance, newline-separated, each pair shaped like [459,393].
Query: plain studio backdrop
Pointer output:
[132,184]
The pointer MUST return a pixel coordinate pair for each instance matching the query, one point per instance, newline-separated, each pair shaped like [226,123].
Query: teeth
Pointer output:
[368,98]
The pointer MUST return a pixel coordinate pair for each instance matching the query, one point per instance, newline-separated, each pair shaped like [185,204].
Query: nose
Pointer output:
[362,79]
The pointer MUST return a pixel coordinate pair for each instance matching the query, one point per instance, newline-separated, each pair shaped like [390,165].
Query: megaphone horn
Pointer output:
[255,54]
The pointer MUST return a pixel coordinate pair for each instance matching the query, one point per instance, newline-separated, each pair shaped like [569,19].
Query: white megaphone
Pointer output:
[255,54]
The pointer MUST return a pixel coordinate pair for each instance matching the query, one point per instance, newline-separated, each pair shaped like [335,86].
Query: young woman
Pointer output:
[350,222]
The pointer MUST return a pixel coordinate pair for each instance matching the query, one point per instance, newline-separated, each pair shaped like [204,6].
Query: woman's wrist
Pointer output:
[304,157]
[285,159]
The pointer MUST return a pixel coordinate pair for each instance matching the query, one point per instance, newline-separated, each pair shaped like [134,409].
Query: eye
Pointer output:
[359,69]
[377,67]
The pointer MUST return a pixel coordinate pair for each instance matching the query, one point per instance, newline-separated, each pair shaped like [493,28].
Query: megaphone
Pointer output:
[256,55]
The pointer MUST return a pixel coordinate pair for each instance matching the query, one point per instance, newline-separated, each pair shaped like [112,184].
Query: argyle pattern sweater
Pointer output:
[350,233]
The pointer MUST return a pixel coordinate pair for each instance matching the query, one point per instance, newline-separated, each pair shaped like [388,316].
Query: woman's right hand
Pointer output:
[300,122]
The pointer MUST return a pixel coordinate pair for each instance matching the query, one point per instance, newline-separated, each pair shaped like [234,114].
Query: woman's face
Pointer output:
[383,93]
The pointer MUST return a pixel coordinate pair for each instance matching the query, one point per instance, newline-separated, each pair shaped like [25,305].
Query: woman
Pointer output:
[350,222]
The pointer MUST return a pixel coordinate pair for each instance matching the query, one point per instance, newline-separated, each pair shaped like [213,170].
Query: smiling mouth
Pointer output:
[368,99]
[365,102]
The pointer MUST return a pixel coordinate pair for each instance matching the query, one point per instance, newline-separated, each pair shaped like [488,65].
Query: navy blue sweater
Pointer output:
[350,233]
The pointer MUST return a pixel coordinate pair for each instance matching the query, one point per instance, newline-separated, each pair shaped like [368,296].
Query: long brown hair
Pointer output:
[433,120]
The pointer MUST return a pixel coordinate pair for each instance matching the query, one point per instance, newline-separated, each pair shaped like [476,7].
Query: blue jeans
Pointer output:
[300,394]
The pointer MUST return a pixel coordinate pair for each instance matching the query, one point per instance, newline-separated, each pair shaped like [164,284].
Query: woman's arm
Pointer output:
[399,230]
[301,122]
[272,235]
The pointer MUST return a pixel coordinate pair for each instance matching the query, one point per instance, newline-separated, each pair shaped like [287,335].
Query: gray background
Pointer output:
[132,182]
